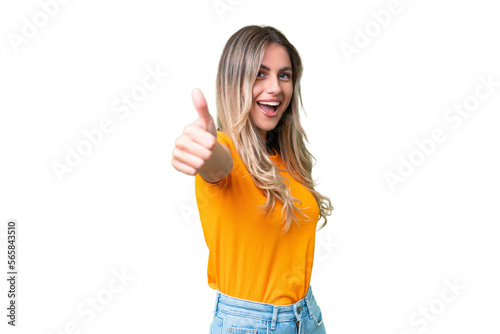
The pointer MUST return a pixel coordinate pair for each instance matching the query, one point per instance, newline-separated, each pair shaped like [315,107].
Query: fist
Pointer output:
[195,146]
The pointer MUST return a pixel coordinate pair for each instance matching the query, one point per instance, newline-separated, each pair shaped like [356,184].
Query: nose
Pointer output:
[273,86]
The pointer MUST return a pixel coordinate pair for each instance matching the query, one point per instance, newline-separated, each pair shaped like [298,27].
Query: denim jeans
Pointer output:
[234,315]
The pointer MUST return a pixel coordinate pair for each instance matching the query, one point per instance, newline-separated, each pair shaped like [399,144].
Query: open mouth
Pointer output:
[269,108]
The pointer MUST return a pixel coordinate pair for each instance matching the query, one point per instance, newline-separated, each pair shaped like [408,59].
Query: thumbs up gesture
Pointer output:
[197,143]
[205,120]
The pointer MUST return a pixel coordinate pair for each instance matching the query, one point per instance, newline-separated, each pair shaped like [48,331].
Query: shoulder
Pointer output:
[228,143]
[224,138]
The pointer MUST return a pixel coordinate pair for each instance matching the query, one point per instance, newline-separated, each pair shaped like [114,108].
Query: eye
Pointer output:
[286,75]
[258,74]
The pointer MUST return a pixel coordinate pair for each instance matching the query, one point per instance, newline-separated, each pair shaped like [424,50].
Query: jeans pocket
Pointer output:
[241,330]
[217,320]
[216,326]
[317,317]
[315,313]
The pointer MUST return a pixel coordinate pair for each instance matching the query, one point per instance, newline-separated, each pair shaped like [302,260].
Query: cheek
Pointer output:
[289,94]
[256,91]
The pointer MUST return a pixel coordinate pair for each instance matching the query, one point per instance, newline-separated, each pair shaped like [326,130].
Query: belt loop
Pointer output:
[216,301]
[275,317]
[309,308]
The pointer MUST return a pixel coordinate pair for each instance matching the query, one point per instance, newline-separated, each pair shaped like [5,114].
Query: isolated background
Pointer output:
[384,254]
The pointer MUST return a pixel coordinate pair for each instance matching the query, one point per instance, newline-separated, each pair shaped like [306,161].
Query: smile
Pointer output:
[269,108]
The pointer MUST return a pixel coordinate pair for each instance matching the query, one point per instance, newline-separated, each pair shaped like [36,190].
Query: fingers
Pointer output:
[193,149]
[196,144]
[182,167]
[199,135]
[187,162]
[201,106]
[185,144]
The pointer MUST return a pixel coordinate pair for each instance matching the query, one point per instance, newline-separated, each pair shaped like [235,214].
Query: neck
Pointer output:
[263,135]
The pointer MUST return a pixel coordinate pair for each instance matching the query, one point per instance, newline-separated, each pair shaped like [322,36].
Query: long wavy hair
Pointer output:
[238,68]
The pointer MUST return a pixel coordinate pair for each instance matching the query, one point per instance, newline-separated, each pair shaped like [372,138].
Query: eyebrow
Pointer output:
[280,70]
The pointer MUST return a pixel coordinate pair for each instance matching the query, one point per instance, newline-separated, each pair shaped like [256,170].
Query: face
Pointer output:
[272,90]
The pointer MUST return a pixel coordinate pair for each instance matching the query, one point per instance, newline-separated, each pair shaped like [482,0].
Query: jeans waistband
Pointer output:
[266,312]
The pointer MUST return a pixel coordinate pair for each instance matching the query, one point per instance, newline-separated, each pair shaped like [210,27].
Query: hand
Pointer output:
[195,146]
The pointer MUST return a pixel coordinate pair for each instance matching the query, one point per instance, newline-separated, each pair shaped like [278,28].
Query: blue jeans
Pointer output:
[234,315]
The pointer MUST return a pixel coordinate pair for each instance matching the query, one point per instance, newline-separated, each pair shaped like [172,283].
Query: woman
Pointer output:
[254,190]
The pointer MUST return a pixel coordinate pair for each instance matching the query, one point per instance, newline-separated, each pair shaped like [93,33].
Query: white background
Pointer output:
[385,254]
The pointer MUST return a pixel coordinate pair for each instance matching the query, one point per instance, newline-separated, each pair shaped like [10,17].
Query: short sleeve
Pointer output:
[224,139]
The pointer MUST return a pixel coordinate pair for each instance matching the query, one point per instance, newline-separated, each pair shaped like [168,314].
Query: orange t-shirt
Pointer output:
[250,257]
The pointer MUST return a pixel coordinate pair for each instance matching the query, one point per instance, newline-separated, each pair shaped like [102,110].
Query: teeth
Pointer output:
[270,103]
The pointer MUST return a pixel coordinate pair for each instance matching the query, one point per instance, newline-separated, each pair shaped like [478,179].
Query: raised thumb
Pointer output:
[201,106]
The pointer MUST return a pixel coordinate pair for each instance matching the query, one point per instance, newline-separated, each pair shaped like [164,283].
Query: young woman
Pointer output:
[254,190]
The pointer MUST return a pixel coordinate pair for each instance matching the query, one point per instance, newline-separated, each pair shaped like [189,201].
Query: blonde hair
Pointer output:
[238,68]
